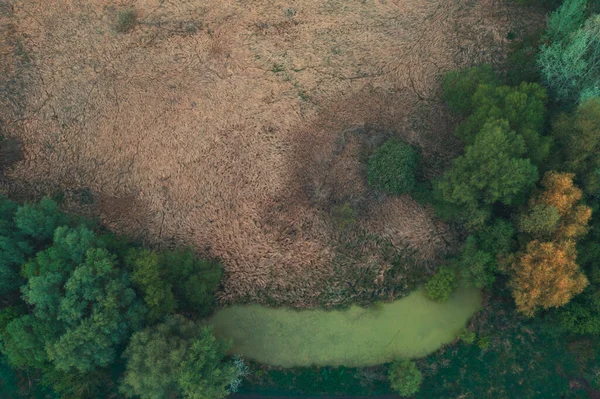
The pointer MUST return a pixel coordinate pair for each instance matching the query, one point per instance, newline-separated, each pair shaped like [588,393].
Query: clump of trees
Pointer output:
[73,296]
[492,170]
[504,138]
[545,273]
[534,241]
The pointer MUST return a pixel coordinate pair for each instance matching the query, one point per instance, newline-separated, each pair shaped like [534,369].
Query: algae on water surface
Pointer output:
[413,326]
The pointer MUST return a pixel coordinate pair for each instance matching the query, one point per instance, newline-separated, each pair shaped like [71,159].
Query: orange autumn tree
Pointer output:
[562,194]
[546,274]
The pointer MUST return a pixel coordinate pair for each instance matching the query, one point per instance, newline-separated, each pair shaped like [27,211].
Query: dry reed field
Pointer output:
[236,127]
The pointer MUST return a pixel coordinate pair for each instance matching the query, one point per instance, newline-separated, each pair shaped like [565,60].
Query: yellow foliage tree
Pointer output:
[546,275]
[560,193]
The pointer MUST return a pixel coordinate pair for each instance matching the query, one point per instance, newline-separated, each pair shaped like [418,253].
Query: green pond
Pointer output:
[413,326]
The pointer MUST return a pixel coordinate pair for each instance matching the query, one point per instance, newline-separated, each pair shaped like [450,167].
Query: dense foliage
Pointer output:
[392,168]
[570,61]
[545,273]
[405,377]
[578,136]
[492,170]
[174,280]
[73,295]
[440,286]
[177,358]
[511,358]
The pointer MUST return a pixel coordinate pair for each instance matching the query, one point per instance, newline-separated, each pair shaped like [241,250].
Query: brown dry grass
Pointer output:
[233,126]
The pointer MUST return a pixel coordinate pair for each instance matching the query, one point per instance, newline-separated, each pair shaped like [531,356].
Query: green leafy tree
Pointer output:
[39,220]
[391,168]
[521,61]
[405,377]
[148,276]
[83,305]
[491,170]
[570,62]
[461,85]
[440,286]
[174,280]
[568,19]
[582,314]
[477,267]
[24,342]
[74,385]
[100,310]
[195,281]
[203,374]
[485,252]
[177,358]
[578,139]
[523,107]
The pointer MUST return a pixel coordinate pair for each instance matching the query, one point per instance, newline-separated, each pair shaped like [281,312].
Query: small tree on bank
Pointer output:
[405,377]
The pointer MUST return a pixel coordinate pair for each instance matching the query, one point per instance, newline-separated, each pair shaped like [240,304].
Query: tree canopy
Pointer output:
[82,301]
[578,137]
[461,85]
[491,170]
[570,61]
[177,358]
[545,273]
[84,292]
[523,107]
[405,377]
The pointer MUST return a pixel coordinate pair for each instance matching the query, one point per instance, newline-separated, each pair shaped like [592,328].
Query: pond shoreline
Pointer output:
[411,327]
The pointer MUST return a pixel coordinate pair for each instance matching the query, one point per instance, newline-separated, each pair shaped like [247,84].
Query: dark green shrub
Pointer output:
[126,20]
[392,168]
[440,286]
[405,377]
[522,60]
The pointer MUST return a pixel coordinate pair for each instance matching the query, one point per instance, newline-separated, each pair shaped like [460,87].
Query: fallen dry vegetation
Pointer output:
[236,126]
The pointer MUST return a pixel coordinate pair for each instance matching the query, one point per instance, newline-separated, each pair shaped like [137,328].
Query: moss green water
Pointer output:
[413,326]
